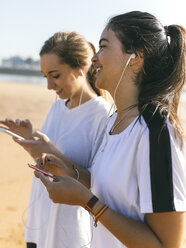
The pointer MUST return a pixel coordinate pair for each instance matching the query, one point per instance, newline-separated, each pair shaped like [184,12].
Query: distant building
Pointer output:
[17,62]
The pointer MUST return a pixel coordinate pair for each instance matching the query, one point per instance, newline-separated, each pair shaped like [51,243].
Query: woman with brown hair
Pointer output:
[70,129]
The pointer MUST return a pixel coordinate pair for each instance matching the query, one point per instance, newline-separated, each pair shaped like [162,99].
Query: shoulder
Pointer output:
[57,105]
[98,109]
[102,104]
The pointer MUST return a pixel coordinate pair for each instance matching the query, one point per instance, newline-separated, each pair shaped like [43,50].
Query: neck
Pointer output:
[124,119]
[84,94]
[126,94]
[125,103]
[126,100]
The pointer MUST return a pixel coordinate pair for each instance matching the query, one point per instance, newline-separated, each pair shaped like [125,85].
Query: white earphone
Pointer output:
[81,71]
[132,56]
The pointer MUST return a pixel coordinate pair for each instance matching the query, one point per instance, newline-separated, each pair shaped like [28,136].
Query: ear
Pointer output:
[137,60]
[82,71]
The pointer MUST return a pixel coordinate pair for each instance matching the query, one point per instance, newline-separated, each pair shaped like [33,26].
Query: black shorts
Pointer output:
[31,245]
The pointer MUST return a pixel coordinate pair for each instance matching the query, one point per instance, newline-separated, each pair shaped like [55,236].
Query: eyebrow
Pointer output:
[53,71]
[103,39]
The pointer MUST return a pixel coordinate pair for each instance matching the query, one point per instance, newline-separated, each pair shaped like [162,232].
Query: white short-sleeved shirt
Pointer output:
[73,132]
[127,175]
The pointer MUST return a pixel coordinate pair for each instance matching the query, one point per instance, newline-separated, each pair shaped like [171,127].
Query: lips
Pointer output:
[58,91]
[98,69]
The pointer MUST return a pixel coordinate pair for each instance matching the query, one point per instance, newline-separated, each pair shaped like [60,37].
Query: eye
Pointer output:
[101,46]
[56,76]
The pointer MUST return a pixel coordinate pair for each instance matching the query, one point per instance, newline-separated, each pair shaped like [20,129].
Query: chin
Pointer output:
[61,97]
[99,84]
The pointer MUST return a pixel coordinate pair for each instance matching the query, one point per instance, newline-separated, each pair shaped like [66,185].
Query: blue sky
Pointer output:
[26,24]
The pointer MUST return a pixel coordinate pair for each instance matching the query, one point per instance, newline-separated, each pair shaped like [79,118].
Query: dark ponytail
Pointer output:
[177,36]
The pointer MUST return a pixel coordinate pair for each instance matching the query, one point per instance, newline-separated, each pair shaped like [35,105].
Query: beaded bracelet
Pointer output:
[76,172]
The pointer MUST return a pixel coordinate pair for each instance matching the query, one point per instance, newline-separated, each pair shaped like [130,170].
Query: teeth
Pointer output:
[57,91]
[98,69]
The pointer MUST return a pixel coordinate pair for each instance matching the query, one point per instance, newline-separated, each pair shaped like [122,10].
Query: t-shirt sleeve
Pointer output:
[143,174]
[99,121]
[99,129]
[171,181]
[49,118]
[179,173]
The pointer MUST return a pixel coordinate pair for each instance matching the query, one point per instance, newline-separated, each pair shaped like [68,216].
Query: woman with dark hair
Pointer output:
[69,131]
[138,175]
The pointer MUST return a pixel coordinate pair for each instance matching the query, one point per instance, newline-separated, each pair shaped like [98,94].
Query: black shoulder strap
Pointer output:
[160,161]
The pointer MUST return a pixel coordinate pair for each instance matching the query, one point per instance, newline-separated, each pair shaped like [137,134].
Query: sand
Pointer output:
[18,101]
[31,102]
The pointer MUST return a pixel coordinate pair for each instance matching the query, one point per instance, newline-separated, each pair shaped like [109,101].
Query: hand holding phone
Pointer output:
[11,133]
[42,171]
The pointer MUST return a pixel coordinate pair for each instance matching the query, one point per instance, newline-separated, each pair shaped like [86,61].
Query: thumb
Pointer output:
[41,136]
[45,180]
[25,142]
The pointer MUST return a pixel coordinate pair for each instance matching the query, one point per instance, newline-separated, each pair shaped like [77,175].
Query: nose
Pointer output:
[50,84]
[94,58]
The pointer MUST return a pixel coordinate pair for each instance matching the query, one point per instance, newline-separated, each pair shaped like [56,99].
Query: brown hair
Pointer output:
[72,49]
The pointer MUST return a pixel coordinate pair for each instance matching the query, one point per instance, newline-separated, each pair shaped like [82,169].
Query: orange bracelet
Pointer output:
[98,215]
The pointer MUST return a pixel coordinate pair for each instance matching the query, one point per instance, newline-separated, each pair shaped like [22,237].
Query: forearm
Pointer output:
[161,230]
[133,234]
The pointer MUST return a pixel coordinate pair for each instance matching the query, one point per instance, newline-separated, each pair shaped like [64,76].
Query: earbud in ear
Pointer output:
[133,56]
[82,73]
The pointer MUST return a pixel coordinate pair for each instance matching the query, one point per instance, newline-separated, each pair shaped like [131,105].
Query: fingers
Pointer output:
[51,159]
[28,123]
[24,123]
[41,162]
[47,163]
[41,136]
[45,180]
[8,122]
[17,123]
[25,142]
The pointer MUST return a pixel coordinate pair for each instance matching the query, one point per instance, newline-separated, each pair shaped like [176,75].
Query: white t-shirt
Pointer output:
[124,178]
[73,132]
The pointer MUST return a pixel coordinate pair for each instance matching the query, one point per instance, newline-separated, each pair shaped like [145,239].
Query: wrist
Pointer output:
[95,208]
[85,198]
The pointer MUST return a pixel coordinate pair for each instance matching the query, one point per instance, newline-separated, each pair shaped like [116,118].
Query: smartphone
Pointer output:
[42,171]
[11,133]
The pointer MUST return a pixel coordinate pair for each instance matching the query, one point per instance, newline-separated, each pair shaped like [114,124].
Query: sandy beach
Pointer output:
[31,102]
[18,101]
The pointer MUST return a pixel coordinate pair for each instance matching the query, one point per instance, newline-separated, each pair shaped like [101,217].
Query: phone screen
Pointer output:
[11,133]
[42,171]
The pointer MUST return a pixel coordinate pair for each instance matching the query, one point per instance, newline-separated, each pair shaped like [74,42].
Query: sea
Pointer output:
[39,80]
[23,79]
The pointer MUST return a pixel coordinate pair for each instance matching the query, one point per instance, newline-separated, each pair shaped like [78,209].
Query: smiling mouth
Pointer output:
[59,91]
[98,70]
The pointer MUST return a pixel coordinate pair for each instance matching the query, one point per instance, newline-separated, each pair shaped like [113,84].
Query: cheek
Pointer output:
[60,82]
